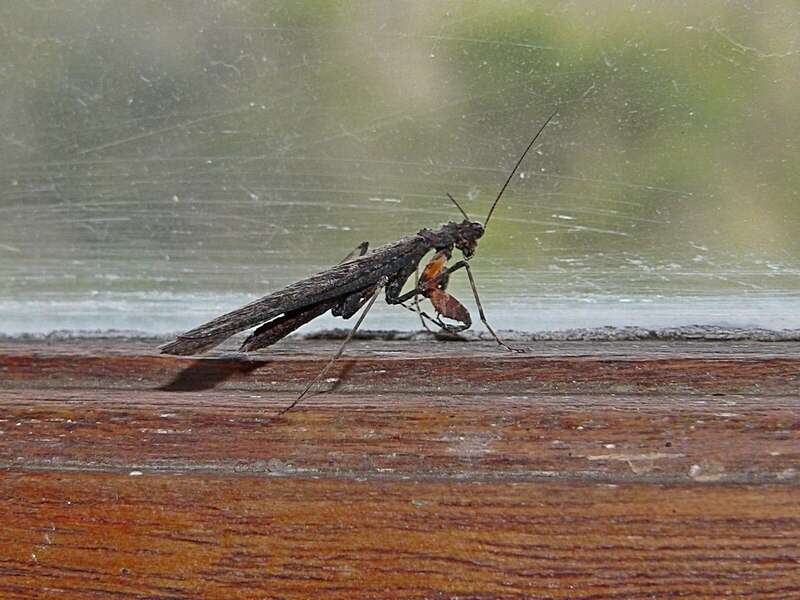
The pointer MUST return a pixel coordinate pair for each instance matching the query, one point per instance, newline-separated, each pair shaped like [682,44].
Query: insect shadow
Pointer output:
[206,374]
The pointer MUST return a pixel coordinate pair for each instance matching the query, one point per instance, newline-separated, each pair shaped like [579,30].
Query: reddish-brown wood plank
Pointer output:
[84,535]
[416,366]
[612,438]
[640,470]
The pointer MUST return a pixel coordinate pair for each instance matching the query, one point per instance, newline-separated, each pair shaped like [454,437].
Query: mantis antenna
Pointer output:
[516,166]
[466,216]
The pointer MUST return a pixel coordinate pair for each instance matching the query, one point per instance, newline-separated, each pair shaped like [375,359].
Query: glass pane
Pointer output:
[166,162]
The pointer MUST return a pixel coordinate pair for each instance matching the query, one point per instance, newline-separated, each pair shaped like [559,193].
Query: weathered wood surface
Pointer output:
[415,367]
[638,470]
[81,535]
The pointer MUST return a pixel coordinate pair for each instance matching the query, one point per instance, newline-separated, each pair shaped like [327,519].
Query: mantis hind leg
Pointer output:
[359,250]
[381,283]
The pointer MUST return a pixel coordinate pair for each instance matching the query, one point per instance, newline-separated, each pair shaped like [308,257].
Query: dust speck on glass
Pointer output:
[165,162]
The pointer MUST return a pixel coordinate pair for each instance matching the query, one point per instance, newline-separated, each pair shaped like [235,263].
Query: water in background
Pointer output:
[161,164]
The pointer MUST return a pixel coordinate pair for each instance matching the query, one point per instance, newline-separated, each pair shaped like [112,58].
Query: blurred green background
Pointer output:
[161,162]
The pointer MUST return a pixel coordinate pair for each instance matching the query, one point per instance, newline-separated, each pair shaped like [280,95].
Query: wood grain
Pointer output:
[420,367]
[111,536]
[429,471]
[672,438]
